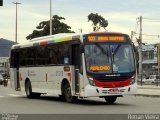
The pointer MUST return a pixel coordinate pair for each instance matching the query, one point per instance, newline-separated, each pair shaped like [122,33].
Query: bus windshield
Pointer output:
[109,58]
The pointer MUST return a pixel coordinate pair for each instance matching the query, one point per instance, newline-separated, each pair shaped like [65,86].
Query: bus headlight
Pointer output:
[91,81]
[133,80]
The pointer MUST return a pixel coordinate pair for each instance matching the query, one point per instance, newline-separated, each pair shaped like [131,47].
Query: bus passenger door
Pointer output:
[76,61]
[16,70]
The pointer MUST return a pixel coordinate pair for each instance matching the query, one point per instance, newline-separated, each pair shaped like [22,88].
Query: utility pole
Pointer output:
[16,3]
[50,17]
[140,48]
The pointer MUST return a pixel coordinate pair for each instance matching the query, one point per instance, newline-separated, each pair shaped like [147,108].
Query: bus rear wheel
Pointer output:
[68,95]
[110,99]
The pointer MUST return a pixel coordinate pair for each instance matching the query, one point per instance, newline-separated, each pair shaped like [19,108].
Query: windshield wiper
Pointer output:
[103,50]
[115,51]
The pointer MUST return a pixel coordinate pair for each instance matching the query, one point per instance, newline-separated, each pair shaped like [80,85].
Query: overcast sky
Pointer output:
[121,14]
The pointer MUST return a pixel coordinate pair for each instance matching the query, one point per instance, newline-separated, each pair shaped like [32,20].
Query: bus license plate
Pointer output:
[114,90]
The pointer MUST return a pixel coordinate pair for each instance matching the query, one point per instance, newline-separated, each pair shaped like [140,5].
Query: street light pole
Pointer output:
[50,17]
[16,3]
[140,49]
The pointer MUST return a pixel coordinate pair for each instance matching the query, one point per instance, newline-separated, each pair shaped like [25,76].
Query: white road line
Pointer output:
[10,95]
[14,95]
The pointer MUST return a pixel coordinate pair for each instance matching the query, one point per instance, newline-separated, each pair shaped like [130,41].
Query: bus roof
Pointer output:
[47,39]
[55,38]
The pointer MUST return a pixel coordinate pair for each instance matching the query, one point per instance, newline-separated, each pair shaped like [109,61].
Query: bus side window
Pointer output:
[66,60]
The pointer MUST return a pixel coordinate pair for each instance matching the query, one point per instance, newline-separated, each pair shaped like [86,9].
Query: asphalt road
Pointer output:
[16,102]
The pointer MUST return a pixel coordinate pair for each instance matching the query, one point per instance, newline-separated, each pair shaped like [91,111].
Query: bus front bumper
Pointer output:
[93,91]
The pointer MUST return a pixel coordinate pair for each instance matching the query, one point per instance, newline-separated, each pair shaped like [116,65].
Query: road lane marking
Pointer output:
[11,95]
[14,95]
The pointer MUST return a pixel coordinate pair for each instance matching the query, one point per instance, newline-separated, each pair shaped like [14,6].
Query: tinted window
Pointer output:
[52,54]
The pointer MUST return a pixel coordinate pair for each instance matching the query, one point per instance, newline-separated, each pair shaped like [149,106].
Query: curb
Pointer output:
[154,88]
[147,95]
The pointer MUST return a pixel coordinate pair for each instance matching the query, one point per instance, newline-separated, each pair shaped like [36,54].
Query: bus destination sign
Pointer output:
[105,38]
[99,68]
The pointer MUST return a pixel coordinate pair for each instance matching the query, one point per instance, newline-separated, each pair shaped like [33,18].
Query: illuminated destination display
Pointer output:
[99,68]
[93,38]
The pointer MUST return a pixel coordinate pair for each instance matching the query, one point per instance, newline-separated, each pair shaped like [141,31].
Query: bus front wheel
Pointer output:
[110,99]
[67,94]
[28,89]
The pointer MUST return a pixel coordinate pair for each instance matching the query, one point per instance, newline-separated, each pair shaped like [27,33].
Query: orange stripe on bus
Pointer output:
[46,77]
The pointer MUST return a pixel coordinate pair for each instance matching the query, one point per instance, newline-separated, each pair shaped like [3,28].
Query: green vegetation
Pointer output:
[44,27]
[58,26]
[98,21]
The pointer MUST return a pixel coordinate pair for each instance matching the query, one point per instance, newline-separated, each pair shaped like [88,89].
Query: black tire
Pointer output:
[110,99]
[62,97]
[28,89]
[67,94]
[36,95]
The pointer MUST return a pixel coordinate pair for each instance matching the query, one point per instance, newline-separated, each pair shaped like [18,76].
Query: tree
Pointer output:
[44,27]
[98,21]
